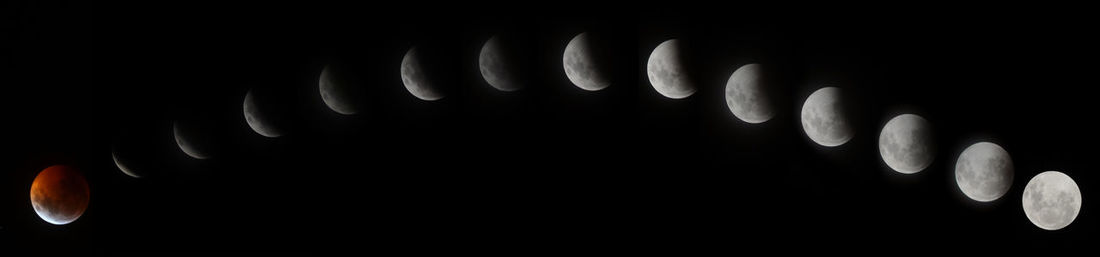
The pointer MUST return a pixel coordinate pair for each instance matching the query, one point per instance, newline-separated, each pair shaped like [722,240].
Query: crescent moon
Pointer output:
[333,95]
[666,71]
[186,146]
[412,75]
[122,166]
[580,67]
[494,66]
[255,119]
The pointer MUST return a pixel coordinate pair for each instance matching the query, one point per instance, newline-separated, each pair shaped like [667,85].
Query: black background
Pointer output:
[550,166]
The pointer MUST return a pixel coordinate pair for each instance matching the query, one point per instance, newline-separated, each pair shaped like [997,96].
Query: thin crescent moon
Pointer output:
[255,122]
[185,146]
[126,170]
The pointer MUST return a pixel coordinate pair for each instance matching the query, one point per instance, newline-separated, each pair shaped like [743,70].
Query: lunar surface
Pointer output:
[906,144]
[59,194]
[412,75]
[747,96]
[122,165]
[666,71]
[256,119]
[581,67]
[1051,200]
[984,171]
[187,146]
[823,118]
[334,93]
[494,62]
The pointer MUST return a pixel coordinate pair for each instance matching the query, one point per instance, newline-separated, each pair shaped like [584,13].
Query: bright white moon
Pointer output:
[984,171]
[666,71]
[1052,200]
[905,144]
[823,118]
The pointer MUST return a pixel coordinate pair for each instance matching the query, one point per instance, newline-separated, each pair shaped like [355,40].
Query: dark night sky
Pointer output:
[546,167]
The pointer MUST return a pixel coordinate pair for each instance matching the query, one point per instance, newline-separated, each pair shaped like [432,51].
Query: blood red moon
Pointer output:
[59,194]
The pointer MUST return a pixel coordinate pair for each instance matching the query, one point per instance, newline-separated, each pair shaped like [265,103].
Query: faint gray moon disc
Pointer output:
[823,118]
[185,145]
[1051,200]
[494,66]
[333,93]
[580,65]
[984,171]
[666,71]
[412,75]
[905,144]
[746,95]
[256,119]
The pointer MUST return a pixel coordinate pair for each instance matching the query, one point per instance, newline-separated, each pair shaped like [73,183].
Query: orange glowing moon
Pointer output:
[59,194]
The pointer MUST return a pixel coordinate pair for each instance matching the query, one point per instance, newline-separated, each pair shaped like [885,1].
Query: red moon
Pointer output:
[59,194]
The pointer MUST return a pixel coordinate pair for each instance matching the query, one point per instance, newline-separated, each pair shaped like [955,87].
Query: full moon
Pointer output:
[59,194]
[823,118]
[1052,200]
[746,95]
[256,119]
[905,144]
[412,75]
[494,64]
[581,67]
[666,71]
[984,171]
[335,93]
[188,147]
[122,165]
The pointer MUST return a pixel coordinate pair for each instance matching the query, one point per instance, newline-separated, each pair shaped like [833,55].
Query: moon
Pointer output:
[122,166]
[1052,200]
[59,194]
[984,171]
[494,63]
[746,95]
[185,145]
[666,71]
[905,144]
[581,67]
[823,118]
[334,93]
[412,75]
[256,120]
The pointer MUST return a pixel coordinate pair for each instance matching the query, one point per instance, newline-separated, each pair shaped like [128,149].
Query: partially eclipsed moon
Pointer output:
[1051,200]
[666,71]
[581,67]
[823,118]
[746,95]
[412,75]
[494,63]
[186,145]
[905,144]
[334,93]
[257,119]
[984,171]
[59,194]
[122,165]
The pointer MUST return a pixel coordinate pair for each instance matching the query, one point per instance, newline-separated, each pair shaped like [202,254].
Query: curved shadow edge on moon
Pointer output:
[984,172]
[581,67]
[905,144]
[666,72]
[122,166]
[746,95]
[188,147]
[823,118]
[494,66]
[412,75]
[1051,200]
[334,94]
[255,118]
[59,195]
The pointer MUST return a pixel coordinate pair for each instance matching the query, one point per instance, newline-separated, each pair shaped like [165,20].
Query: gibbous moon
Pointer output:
[256,119]
[746,94]
[666,71]
[1052,200]
[334,93]
[187,146]
[984,171]
[823,118]
[59,194]
[494,64]
[581,67]
[122,165]
[905,144]
[412,75]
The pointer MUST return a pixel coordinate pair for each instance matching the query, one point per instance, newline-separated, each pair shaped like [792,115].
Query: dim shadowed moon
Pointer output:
[1051,200]
[494,62]
[335,93]
[823,118]
[666,71]
[905,144]
[59,194]
[119,161]
[256,119]
[415,79]
[746,95]
[187,146]
[984,171]
[580,65]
